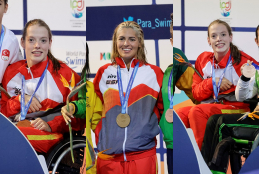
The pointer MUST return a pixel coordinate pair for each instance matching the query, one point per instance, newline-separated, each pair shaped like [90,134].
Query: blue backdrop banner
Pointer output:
[155,21]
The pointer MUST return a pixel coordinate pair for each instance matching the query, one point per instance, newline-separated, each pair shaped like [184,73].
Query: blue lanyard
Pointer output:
[25,108]
[256,66]
[2,37]
[170,96]
[124,101]
[215,87]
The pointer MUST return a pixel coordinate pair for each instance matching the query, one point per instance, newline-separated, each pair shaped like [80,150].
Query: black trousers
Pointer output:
[215,131]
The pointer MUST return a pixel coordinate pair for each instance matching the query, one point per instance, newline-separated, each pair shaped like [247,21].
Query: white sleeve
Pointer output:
[16,55]
[10,44]
[246,89]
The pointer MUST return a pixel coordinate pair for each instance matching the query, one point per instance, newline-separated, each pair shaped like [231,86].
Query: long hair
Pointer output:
[86,70]
[41,23]
[235,53]
[141,56]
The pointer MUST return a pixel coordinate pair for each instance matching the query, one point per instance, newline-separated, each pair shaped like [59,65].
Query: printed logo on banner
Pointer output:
[77,7]
[149,24]
[130,18]
[5,54]
[105,56]
[153,19]
[75,58]
[225,7]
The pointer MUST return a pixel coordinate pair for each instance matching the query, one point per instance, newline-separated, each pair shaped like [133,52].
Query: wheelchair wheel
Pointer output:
[59,159]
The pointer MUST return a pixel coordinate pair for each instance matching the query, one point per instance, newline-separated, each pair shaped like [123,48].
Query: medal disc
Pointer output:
[249,71]
[123,120]
[169,115]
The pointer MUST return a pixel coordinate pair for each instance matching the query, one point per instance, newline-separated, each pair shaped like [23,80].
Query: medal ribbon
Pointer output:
[215,87]
[2,37]
[170,96]
[25,108]
[256,66]
[124,100]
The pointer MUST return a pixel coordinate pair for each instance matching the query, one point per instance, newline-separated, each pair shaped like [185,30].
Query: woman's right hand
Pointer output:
[245,64]
[67,114]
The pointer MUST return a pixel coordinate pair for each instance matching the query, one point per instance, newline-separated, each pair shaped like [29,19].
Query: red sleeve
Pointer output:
[201,89]
[160,75]
[12,106]
[159,105]
[9,107]
[58,124]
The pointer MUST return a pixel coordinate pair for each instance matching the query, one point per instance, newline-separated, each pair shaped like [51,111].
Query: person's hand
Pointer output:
[225,84]
[35,104]
[257,108]
[67,114]
[40,125]
[245,64]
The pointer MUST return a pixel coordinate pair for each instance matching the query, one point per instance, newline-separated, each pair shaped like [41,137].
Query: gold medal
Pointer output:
[123,120]
[169,115]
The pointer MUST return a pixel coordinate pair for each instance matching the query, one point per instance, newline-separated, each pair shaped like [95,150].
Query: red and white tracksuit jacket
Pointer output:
[196,117]
[51,93]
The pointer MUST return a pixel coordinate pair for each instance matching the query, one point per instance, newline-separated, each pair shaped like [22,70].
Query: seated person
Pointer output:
[217,126]
[220,71]
[40,69]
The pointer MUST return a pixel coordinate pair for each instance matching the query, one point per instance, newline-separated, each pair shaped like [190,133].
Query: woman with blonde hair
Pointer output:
[132,106]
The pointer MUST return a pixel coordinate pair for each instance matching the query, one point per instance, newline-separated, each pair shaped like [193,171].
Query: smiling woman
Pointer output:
[36,44]
[220,70]
[126,134]
[35,87]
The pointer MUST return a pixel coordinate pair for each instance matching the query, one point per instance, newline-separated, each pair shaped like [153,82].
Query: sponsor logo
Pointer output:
[111,82]
[225,7]
[75,58]
[130,18]
[77,7]
[153,24]
[105,56]
[5,54]
[112,76]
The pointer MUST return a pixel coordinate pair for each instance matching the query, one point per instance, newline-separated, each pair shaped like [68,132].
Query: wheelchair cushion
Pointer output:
[246,133]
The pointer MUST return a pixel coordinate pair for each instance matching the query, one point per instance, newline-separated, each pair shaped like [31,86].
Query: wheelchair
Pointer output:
[58,159]
[246,139]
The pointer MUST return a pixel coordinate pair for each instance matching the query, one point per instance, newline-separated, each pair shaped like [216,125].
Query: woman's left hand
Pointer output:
[40,125]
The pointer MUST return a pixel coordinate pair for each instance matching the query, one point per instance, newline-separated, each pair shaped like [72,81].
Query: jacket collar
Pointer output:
[122,64]
[223,62]
[35,71]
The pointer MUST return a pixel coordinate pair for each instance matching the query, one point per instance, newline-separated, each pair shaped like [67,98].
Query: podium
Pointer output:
[187,156]
[17,154]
